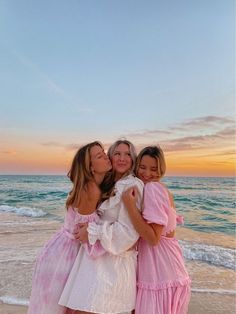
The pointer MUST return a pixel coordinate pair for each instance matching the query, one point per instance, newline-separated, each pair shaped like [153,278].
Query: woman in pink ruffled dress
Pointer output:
[56,259]
[162,279]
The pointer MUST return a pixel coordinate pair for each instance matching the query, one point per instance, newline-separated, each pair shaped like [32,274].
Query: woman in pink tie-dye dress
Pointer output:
[57,257]
[162,279]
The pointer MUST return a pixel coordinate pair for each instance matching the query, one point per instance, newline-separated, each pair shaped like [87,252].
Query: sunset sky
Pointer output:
[153,72]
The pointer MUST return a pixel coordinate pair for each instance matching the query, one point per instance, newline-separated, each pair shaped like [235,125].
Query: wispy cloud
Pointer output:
[228,153]
[204,122]
[9,152]
[223,138]
[220,141]
[69,147]
[52,144]
[51,85]
[148,133]
[227,132]
[32,66]
[199,133]
[209,120]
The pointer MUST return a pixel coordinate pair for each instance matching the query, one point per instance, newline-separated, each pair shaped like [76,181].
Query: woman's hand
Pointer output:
[129,197]
[82,234]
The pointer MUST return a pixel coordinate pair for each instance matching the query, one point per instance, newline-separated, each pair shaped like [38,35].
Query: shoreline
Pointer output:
[208,303]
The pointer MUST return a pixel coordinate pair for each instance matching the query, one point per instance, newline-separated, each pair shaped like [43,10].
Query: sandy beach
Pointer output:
[208,244]
[205,298]
[12,309]
[200,303]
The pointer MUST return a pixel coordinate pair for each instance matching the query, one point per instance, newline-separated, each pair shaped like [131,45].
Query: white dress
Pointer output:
[107,284]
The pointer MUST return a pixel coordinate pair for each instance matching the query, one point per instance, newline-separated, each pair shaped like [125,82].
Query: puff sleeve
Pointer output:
[117,236]
[155,208]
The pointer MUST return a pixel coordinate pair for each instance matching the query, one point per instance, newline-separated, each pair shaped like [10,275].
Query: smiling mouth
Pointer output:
[145,179]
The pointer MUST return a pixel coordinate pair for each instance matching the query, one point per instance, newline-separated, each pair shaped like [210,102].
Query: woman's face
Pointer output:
[100,162]
[121,160]
[147,170]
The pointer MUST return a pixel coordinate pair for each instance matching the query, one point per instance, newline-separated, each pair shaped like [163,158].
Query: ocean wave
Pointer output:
[215,255]
[14,301]
[218,291]
[23,211]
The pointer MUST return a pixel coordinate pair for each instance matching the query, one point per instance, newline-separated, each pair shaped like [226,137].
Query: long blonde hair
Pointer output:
[80,173]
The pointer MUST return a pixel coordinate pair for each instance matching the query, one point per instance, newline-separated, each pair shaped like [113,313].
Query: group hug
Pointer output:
[116,252]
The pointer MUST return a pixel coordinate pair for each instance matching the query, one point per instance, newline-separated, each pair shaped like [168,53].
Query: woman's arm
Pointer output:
[150,232]
[118,236]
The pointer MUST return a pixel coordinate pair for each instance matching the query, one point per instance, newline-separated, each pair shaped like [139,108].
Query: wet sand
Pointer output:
[20,242]
[12,309]
[200,303]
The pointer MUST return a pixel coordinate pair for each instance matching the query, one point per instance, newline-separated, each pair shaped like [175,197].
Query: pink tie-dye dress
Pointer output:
[54,264]
[162,279]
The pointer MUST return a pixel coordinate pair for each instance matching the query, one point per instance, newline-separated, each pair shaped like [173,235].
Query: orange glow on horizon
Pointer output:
[57,161]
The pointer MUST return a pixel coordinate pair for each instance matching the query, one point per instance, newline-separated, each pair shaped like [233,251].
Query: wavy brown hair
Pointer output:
[80,173]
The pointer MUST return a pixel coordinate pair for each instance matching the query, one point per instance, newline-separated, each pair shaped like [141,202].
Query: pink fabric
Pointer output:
[163,281]
[54,264]
[157,207]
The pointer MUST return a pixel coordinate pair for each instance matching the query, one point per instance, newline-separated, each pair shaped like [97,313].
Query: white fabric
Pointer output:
[107,285]
[116,232]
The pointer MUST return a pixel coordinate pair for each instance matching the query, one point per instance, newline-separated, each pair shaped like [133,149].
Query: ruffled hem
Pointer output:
[164,284]
[94,309]
[172,300]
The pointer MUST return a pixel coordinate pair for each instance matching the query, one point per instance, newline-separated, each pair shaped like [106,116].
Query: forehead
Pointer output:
[148,161]
[96,149]
[122,147]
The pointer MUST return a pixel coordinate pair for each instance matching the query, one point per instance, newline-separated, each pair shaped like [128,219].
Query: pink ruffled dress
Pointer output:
[162,279]
[54,264]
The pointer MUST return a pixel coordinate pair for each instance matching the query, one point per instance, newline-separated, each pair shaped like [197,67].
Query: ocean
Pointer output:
[32,208]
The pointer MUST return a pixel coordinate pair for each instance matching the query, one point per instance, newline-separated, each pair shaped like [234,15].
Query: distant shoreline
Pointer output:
[65,175]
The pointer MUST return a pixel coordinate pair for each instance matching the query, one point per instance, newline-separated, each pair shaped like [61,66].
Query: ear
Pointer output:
[92,170]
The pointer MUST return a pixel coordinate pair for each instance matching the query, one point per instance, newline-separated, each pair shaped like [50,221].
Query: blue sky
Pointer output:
[75,71]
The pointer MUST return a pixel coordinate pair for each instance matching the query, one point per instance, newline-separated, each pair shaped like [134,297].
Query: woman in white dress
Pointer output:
[107,284]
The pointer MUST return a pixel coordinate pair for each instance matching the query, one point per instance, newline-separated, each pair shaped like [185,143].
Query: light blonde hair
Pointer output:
[80,173]
[155,152]
[108,183]
[131,149]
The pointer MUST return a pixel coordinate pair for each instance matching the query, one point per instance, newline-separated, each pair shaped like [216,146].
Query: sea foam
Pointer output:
[14,301]
[216,255]
[23,211]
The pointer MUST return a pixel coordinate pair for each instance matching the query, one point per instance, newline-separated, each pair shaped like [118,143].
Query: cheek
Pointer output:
[139,172]
[113,161]
[154,175]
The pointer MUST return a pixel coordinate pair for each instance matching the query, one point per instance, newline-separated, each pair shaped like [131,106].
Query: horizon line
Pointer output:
[65,175]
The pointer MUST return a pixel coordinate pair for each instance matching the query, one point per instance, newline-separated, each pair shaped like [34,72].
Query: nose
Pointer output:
[146,173]
[121,157]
